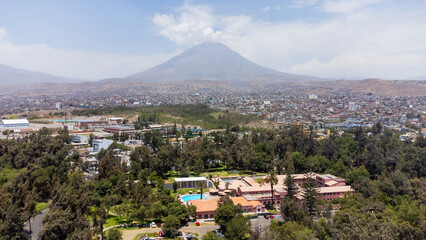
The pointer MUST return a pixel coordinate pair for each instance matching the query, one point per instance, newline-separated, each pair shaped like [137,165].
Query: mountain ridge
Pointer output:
[214,61]
[11,76]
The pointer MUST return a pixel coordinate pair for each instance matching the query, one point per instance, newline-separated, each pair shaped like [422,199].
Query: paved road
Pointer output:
[201,230]
[37,224]
[261,225]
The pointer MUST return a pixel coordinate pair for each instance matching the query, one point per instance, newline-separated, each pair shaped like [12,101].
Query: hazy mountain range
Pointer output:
[211,63]
[10,76]
[208,61]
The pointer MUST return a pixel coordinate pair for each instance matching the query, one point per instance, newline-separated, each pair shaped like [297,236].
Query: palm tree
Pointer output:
[272,179]
[201,185]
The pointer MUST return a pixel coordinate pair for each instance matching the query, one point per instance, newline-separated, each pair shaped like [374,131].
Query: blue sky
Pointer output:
[327,38]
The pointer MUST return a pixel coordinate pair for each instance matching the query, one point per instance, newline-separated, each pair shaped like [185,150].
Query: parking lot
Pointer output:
[130,234]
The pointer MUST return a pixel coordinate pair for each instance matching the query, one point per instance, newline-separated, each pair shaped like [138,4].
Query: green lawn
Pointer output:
[194,190]
[143,234]
[115,220]
[112,221]
[41,206]
[8,174]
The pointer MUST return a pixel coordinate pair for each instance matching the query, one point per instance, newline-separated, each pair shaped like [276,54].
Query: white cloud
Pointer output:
[265,9]
[302,3]
[377,41]
[71,63]
[2,34]
[195,25]
[372,64]
[163,19]
[345,6]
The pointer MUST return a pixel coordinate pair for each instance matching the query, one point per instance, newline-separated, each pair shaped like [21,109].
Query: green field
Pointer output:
[192,115]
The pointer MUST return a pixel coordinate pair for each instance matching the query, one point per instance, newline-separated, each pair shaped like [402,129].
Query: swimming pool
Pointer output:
[229,179]
[192,197]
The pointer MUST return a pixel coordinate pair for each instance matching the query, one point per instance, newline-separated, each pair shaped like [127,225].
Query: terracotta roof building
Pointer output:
[207,207]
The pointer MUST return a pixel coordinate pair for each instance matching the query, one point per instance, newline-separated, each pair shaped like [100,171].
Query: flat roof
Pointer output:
[336,189]
[14,121]
[187,179]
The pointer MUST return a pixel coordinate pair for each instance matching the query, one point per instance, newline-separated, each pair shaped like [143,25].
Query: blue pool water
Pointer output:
[192,197]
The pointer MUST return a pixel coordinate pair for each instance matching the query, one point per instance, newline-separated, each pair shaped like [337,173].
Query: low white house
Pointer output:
[192,182]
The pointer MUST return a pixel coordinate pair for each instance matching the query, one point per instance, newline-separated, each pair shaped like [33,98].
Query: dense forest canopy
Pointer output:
[387,174]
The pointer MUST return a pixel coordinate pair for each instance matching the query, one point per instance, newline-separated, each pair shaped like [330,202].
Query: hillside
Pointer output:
[390,87]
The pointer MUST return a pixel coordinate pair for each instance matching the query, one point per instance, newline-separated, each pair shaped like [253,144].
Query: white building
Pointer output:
[58,105]
[14,123]
[192,182]
[80,139]
[99,144]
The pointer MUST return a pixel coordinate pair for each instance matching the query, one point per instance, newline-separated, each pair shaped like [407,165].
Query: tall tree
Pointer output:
[171,226]
[310,193]
[114,234]
[30,206]
[272,179]
[290,185]
[201,185]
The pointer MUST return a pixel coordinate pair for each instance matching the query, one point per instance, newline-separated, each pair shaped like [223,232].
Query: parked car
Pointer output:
[143,225]
[191,237]
[186,224]
[271,216]
[153,224]
[160,233]
[158,224]
[266,216]
[197,223]
[156,234]
[179,233]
